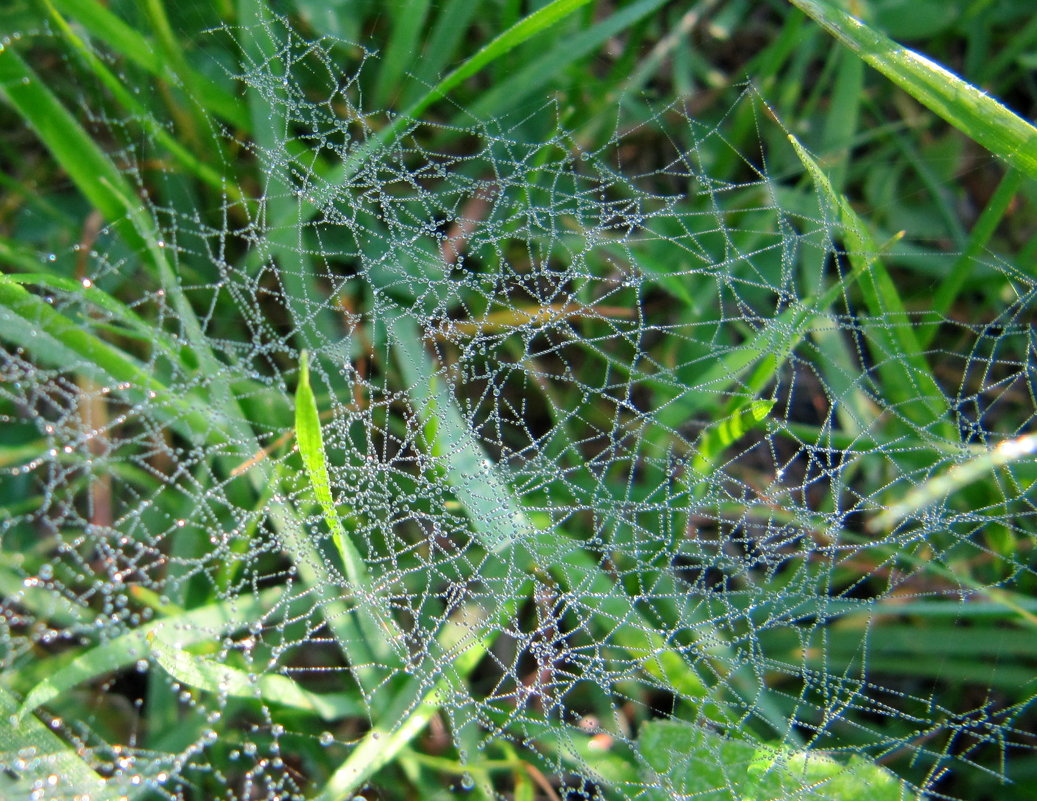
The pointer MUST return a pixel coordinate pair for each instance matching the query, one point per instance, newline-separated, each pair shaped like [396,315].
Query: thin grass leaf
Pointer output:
[100,22]
[906,376]
[375,617]
[140,113]
[969,109]
[940,487]
[270,688]
[547,67]
[92,171]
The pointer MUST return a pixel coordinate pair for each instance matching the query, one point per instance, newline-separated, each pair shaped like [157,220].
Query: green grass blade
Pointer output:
[972,111]
[198,625]
[408,21]
[496,516]
[522,31]
[906,376]
[28,740]
[540,71]
[223,681]
[375,618]
[140,113]
[92,171]
[107,27]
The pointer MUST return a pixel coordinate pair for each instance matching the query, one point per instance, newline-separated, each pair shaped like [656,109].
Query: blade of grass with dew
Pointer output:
[42,601]
[950,287]
[203,624]
[35,743]
[89,168]
[976,114]
[223,681]
[374,616]
[906,375]
[283,208]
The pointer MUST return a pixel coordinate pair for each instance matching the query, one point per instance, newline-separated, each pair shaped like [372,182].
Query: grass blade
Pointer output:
[972,111]
[221,680]
[29,737]
[375,618]
[940,487]
[198,625]
[496,517]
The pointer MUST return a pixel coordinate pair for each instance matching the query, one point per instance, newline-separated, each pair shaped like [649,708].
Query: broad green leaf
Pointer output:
[26,741]
[691,762]
[198,625]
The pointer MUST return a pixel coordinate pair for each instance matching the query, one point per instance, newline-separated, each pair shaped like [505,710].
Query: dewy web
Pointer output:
[488,444]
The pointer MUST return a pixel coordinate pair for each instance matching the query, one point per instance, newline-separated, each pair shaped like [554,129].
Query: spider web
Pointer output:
[630,467]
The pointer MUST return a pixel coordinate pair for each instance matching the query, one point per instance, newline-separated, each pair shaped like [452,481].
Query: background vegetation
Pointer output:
[130,149]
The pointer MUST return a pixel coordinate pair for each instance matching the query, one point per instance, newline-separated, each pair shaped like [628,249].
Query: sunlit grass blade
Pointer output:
[222,680]
[969,109]
[961,475]
[375,617]
[198,625]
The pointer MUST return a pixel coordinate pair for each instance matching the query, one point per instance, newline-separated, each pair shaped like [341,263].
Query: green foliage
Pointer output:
[529,410]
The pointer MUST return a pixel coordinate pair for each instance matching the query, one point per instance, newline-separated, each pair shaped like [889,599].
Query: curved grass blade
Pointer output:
[222,680]
[970,110]
[198,625]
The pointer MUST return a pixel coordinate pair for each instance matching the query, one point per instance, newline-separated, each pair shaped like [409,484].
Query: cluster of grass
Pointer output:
[708,475]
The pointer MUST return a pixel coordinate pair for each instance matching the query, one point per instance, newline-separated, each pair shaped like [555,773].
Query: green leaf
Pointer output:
[964,106]
[26,741]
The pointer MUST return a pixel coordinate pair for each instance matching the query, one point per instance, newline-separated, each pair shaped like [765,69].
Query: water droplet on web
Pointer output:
[326,738]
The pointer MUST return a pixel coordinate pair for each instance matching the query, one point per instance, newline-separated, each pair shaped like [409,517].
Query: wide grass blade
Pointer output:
[972,111]
[27,741]
[198,625]
[224,681]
